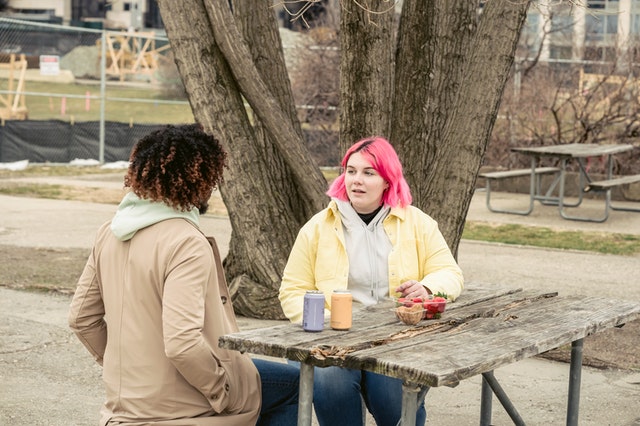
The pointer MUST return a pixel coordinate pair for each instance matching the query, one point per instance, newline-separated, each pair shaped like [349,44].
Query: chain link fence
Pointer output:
[71,92]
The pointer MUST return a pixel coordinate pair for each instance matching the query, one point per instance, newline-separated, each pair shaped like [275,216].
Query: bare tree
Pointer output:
[314,70]
[563,104]
[430,79]
[592,98]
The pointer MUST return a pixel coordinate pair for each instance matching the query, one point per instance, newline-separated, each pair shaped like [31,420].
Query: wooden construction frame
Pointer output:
[132,53]
[13,105]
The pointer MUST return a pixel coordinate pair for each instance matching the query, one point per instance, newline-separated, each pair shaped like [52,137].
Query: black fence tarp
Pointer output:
[56,141]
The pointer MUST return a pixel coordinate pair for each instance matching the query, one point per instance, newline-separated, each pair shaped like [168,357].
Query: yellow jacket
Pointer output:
[318,259]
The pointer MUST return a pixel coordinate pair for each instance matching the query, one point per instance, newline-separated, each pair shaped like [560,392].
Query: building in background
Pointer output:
[132,14]
[49,11]
[601,31]
[556,30]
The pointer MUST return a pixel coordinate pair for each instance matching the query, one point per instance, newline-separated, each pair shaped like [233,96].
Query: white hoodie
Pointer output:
[135,213]
[368,248]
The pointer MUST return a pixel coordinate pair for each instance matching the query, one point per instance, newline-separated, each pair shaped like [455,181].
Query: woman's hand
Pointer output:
[413,289]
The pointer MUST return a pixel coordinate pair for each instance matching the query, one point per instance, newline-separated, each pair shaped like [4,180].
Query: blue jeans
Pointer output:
[338,394]
[280,383]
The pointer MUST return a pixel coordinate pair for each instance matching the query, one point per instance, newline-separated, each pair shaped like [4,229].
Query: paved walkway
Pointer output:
[47,378]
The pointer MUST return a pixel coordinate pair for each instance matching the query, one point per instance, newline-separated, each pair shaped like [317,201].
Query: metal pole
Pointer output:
[103,90]
[607,194]
[305,397]
[575,373]
[503,398]
[486,399]
[563,166]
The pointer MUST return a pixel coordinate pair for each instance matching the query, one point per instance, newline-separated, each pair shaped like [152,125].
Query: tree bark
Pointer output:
[436,100]
[490,58]
[266,200]
[257,92]
[450,74]
[366,70]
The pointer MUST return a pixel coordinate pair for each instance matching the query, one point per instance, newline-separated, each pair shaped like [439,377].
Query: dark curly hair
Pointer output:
[178,165]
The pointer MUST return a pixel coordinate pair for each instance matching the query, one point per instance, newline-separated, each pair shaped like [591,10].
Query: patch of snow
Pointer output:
[15,165]
[116,165]
[84,162]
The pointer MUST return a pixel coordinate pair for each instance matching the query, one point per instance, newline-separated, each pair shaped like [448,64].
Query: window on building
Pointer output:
[600,54]
[601,27]
[530,36]
[560,52]
[562,27]
[602,4]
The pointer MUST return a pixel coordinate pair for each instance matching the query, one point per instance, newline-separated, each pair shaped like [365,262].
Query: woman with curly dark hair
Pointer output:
[152,301]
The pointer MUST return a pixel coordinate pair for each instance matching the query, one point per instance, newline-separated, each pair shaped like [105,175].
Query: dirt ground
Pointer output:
[43,256]
[57,269]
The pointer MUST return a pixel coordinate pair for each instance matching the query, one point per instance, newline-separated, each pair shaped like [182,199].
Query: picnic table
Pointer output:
[486,328]
[566,153]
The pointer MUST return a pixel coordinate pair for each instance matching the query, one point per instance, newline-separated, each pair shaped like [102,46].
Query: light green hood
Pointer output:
[135,213]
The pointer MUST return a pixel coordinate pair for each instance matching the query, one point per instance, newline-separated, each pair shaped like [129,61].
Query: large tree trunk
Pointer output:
[366,77]
[430,59]
[450,74]
[490,56]
[272,186]
[436,101]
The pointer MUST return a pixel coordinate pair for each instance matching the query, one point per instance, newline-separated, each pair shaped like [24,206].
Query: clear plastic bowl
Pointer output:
[432,307]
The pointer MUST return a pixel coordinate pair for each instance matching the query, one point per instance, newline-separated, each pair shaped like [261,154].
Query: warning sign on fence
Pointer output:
[49,65]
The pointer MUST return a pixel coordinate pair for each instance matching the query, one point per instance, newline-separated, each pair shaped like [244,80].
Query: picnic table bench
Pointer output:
[564,153]
[534,189]
[606,185]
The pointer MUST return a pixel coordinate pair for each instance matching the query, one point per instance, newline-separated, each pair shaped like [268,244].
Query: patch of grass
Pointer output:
[49,107]
[33,190]
[62,192]
[41,269]
[330,173]
[618,244]
[607,243]
[41,170]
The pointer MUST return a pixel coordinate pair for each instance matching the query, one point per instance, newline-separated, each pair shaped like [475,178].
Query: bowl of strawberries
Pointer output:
[431,307]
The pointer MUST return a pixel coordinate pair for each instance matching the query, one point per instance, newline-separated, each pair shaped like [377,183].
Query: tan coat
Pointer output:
[163,300]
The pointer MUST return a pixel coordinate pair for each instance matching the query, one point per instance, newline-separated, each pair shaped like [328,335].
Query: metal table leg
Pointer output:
[305,398]
[486,401]
[584,179]
[532,196]
[503,398]
[575,374]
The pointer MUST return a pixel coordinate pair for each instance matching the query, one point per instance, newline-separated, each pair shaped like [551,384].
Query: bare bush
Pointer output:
[169,77]
[562,105]
[315,83]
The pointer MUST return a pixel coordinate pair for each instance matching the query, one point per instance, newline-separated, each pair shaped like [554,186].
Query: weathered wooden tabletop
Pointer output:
[480,332]
[574,150]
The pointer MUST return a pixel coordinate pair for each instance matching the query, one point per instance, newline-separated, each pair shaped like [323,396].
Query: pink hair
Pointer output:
[384,159]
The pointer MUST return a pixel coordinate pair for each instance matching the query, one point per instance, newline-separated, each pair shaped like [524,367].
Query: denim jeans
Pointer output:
[280,383]
[338,394]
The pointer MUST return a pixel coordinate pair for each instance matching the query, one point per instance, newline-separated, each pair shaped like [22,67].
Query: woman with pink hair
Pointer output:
[373,242]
